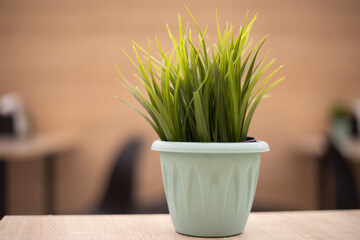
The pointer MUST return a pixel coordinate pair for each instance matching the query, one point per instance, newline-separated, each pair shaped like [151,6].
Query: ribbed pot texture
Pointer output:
[210,187]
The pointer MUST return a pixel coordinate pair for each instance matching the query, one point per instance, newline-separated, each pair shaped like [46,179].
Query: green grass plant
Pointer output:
[201,92]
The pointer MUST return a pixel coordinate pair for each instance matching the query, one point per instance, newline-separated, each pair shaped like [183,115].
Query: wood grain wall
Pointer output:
[59,56]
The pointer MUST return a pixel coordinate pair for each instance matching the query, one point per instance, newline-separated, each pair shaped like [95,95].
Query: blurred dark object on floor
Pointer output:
[119,195]
[337,180]
[118,198]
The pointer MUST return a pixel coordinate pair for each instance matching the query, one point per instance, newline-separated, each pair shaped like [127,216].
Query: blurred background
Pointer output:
[68,146]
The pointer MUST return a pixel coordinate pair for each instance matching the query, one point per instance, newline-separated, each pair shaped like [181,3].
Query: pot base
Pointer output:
[194,231]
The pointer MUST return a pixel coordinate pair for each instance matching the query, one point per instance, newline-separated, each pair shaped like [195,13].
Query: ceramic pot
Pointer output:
[210,187]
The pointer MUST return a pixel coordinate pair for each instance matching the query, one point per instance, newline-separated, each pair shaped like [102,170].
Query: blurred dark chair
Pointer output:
[118,198]
[334,164]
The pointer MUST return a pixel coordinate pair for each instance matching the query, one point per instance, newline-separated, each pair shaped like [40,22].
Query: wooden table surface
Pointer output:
[270,225]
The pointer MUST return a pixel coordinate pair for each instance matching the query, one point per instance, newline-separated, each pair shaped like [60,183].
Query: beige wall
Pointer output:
[59,55]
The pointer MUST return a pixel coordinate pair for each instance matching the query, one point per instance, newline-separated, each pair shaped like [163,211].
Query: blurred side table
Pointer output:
[44,146]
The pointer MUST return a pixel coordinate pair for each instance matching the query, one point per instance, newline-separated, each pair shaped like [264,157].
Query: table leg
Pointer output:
[2,188]
[50,185]
[322,183]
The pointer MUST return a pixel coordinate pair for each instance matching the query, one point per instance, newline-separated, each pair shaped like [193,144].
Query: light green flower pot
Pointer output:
[210,187]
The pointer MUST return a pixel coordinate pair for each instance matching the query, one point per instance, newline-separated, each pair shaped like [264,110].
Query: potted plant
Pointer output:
[201,99]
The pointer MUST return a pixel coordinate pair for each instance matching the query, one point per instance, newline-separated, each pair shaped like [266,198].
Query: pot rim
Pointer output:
[211,147]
